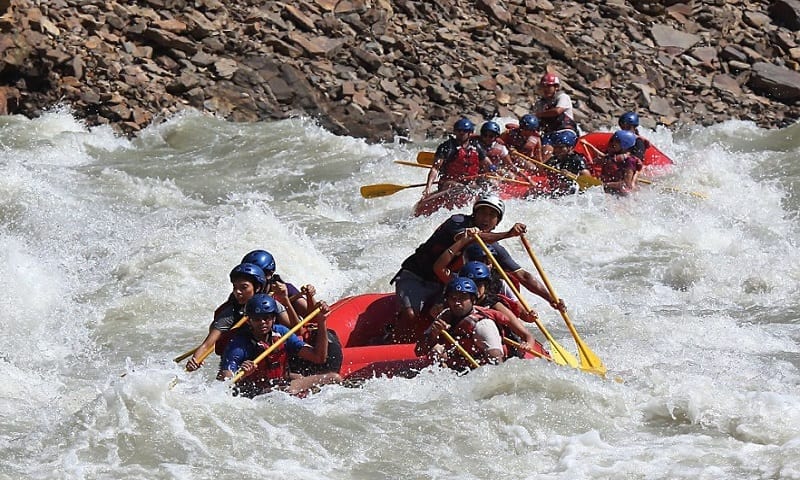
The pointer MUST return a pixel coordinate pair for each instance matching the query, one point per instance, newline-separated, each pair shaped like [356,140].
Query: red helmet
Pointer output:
[550,79]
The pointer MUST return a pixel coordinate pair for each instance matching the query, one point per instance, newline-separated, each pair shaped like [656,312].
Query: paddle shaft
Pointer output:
[560,356]
[460,349]
[589,361]
[518,345]
[584,181]
[277,343]
[553,169]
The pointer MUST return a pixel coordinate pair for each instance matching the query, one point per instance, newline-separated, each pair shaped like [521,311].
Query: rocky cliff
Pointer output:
[381,68]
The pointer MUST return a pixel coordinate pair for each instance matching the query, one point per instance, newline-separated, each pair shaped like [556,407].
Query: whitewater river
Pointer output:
[115,252]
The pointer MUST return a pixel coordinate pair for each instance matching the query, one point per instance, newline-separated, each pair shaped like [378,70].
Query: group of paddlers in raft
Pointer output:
[459,284]
[542,144]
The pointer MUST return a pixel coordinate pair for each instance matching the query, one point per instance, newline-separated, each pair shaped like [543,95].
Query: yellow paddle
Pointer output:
[426,158]
[518,345]
[584,181]
[460,349]
[210,350]
[384,189]
[184,356]
[277,343]
[645,180]
[411,164]
[589,361]
[559,354]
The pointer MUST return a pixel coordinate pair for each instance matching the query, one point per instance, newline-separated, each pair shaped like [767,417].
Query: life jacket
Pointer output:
[612,169]
[514,138]
[559,122]
[510,304]
[274,367]
[464,163]
[496,151]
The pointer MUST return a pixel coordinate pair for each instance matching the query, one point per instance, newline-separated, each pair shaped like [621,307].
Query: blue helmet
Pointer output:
[251,272]
[529,122]
[261,305]
[477,271]
[566,138]
[625,138]
[262,258]
[474,251]
[464,124]
[462,284]
[629,118]
[490,127]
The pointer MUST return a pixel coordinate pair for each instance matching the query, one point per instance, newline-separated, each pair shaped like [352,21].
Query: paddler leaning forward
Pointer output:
[416,284]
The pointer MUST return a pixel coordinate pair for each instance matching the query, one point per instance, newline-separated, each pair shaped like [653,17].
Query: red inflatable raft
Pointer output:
[361,323]
[653,157]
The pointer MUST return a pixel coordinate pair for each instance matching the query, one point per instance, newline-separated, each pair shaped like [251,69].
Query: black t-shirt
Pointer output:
[421,261]
[639,148]
[333,363]
[572,162]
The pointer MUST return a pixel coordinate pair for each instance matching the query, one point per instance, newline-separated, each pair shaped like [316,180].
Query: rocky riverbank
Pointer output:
[381,68]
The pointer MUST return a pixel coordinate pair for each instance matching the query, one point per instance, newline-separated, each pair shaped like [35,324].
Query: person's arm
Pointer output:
[535,286]
[234,358]
[515,231]
[308,291]
[208,343]
[515,324]
[319,352]
[629,180]
[289,317]
[433,174]
[441,266]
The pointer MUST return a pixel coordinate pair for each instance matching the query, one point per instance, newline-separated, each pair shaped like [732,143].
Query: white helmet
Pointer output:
[491,201]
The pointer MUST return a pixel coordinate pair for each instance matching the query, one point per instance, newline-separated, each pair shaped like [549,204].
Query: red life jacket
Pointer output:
[510,304]
[514,138]
[464,164]
[274,367]
[614,166]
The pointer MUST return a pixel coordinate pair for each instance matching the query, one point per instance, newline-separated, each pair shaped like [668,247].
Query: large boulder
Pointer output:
[775,82]
[786,13]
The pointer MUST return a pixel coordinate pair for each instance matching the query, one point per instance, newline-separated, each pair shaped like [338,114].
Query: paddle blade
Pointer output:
[590,362]
[588,181]
[560,355]
[380,190]
[425,158]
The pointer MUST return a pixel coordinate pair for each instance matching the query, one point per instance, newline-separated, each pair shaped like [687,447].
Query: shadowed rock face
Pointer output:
[379,68]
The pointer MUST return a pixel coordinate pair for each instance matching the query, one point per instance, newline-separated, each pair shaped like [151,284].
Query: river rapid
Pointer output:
[114,253]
